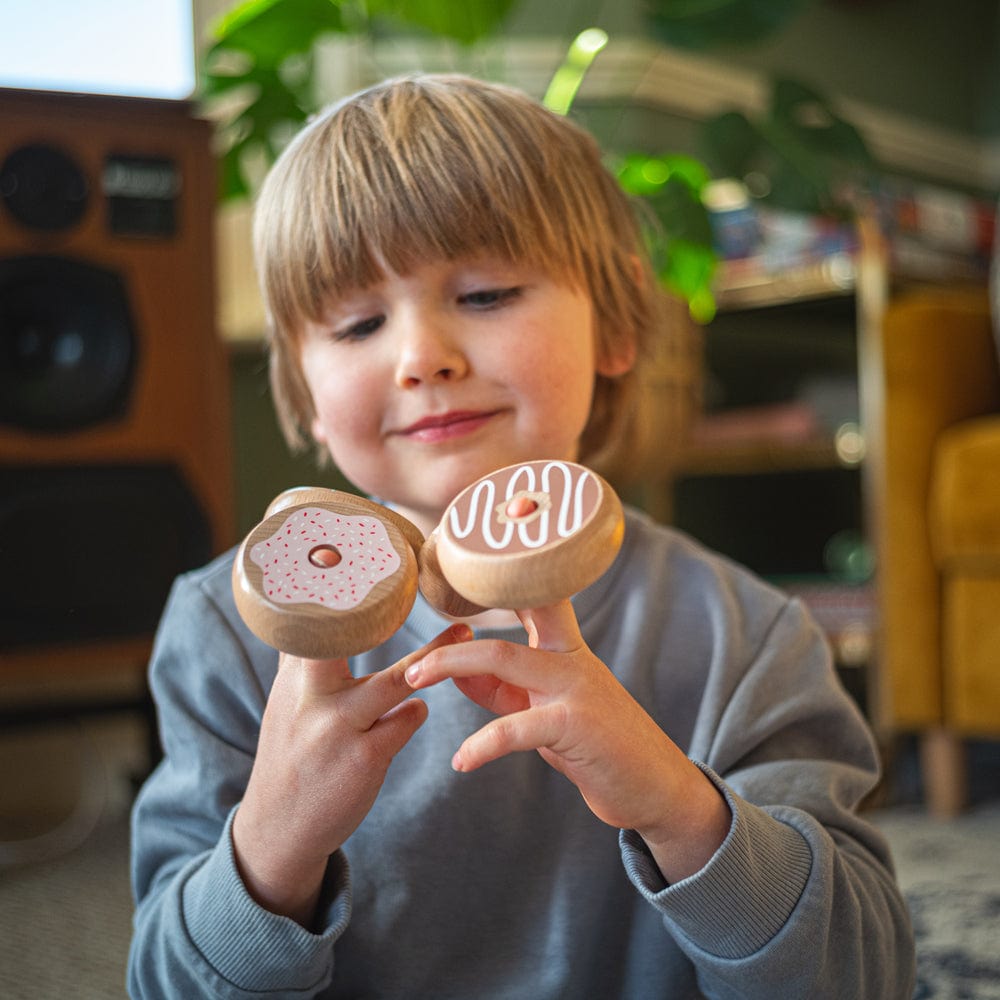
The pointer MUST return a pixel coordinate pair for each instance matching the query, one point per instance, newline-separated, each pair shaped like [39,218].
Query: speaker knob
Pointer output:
[43,188]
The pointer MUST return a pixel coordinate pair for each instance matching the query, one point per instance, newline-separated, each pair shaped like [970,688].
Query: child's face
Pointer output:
[424,382]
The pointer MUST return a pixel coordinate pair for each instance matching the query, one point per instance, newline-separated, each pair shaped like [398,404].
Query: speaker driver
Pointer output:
[67,344]
[91,551]
[43,188]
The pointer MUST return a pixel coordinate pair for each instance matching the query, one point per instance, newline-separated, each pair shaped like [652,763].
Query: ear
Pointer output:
[616,359]
[317,432]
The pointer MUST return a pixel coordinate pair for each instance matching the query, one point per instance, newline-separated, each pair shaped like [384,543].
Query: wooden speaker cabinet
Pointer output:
[115,457]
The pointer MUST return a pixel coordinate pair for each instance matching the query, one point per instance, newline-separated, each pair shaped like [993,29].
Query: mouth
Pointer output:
[444,426]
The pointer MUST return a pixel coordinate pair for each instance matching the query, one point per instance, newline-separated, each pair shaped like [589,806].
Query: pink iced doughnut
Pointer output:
[326,574]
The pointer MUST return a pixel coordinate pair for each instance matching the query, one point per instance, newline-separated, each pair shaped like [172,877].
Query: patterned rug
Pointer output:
[950,874]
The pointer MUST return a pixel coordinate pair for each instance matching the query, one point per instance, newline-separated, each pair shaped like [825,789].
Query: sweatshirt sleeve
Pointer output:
[197,932]
[800,901]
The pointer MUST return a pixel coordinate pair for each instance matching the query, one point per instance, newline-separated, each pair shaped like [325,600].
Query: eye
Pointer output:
[359,330]
[490,298]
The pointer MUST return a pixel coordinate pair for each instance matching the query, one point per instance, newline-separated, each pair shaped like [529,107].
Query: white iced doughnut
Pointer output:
[526,536]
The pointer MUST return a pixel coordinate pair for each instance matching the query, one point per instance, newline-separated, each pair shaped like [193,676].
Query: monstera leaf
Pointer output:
[701,24]
[464,21]
[800,146]
[260,68]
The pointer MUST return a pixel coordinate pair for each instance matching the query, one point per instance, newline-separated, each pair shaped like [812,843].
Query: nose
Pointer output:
[429,353]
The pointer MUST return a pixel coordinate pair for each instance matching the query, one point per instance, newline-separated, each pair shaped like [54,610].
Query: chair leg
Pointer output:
[943,766]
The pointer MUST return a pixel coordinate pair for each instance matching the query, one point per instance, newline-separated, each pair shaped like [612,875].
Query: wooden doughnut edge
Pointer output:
[437,591]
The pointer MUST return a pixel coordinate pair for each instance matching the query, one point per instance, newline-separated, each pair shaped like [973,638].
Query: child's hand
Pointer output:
[326,742]
[558,698]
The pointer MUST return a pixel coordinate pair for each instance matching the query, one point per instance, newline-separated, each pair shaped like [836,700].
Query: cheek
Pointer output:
[339,404]
[569,365]
[561,392]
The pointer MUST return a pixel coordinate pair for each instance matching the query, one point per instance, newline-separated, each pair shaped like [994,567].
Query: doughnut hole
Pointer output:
[324,556]
[521,507]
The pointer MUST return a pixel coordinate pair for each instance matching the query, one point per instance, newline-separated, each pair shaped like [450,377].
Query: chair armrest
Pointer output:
[939,367]
[965,497]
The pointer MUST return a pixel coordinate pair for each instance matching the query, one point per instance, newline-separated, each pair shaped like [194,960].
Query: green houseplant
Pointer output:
[261,65]
[261,71]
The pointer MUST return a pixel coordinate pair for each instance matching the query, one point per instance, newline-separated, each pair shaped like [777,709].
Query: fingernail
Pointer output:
[412,674]
[461,632]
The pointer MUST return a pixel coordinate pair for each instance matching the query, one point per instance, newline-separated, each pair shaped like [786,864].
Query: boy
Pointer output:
[456,284]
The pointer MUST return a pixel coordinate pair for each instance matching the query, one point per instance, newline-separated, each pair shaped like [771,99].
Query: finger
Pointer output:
[530,730]
[320,677]
[554,628]
[386,689]
[509,663]
[494,695]
[393,731]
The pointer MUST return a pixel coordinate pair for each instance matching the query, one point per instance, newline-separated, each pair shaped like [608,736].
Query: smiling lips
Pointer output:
[445,426]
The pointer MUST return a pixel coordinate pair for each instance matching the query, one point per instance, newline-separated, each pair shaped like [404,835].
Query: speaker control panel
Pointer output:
[141,195]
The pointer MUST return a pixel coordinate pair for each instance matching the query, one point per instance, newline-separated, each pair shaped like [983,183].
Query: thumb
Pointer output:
[395,728]
[553,628]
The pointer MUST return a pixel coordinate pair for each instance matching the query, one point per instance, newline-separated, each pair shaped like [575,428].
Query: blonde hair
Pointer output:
[429,167]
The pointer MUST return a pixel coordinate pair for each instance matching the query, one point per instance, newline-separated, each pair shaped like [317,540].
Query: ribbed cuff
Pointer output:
[744,894]
[247,945]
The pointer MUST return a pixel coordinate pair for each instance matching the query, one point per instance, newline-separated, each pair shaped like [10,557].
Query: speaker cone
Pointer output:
[43,188]
[67,345]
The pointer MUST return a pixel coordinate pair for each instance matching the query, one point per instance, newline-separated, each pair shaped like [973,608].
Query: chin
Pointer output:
[466,473]
[483,467]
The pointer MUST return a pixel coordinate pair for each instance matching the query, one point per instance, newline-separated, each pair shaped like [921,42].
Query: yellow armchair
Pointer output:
[938,531]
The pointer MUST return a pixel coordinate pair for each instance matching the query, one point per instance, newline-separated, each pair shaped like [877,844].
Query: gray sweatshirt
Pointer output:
[501,883]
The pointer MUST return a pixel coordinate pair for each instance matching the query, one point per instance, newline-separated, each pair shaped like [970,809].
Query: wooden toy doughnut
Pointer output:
[523,537]
[326,574]
[440,594]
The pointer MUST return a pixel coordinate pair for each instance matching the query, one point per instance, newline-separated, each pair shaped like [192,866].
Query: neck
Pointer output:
[426,522]
[494,618]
